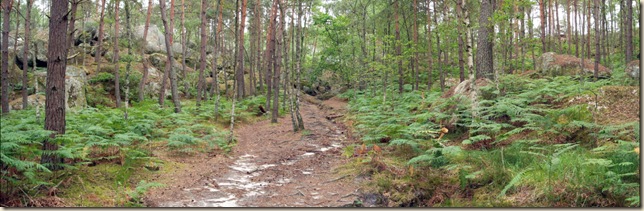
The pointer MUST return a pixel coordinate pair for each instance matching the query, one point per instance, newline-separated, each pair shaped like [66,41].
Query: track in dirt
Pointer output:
[270,167]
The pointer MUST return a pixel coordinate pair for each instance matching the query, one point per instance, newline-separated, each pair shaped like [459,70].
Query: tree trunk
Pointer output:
[128,67]
[25,54]
[577,48]
[6,13]
[628,22]
[269,52]
[173,76]
[276,66]
[101,25]
[117,87]
[145,60]
[414,60]
[429,47]
[597,46]
[461,61]
[217,48]
[588,14]
[72,21]
[55,93]
[298,57]
[258,53]
[182,27]
[542,18]
[398,49]
[484,55]
[240,54]
[531,34]
[202,52]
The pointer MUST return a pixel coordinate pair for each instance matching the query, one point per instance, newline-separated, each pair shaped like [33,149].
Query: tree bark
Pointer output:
[202,52]
[628,22]
[277,66]
[269,52]
[183,49]
[597,45]
[6,13]
[101,25]
[398,48]
[72,22]
[128,67]
[429,47]
[173,76]
[542,18]
[145,60]
[117,87]
[414,60]
[461,61]
[240,54]
[25,54]
[55,93]
[484,54]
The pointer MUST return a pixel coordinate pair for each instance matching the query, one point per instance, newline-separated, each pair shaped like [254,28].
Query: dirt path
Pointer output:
[270,167]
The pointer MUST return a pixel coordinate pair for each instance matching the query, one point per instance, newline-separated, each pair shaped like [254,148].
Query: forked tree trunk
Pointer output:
[173,76]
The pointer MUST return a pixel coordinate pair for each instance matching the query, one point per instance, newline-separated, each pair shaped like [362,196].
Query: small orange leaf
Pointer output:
[411,170]
[637,150]
[377,149]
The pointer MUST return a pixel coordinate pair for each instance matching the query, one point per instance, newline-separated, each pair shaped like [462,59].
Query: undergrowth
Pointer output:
[528,146]
[101,136]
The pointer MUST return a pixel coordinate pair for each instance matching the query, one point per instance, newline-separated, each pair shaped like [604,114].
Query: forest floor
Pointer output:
[270,166]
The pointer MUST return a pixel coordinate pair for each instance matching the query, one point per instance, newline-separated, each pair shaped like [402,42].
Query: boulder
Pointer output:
[463,88]
[633,69]
[155,42]
[75,82]
[553,64]
[32,101]
[153,83]
[40,43]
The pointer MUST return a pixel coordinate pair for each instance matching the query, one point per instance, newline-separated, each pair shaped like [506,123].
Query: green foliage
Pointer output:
[141,188]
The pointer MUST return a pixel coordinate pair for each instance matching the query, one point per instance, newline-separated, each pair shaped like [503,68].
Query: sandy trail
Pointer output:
[270,167]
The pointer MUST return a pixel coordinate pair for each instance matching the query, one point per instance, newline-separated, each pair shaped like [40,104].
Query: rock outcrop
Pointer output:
[553,64]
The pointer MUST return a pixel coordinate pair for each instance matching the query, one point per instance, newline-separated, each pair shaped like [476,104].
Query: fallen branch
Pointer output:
[336,179]
[334,116]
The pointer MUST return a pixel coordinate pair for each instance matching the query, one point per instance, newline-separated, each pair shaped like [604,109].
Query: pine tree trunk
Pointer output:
[128,67]
[72,22]
[542,17]
[414,60]
[269,52]
[240,54]
[597,45]
[398,48]
[25,54]
[278,33]
[173,76]
[6,13]
[258,53]
[484,54]
[202,52]
[145,59]
[101,25]
[55,93]
[461,61]
[182,27]
[115,61]
[429,47]
[628,22]
[298,57]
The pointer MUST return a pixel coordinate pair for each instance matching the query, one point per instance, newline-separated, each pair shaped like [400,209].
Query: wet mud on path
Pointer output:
[269,167]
